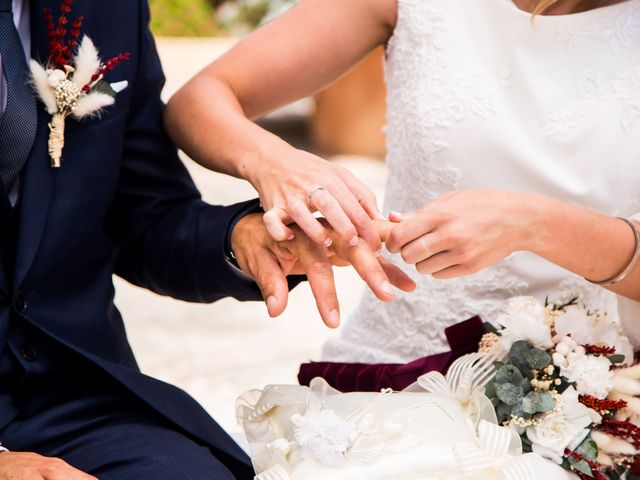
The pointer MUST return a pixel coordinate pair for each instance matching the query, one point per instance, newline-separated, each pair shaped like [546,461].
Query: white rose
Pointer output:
[525,320]
[567,429]
[592,376]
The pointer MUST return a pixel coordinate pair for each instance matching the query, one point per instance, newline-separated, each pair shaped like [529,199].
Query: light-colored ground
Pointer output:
[216,352]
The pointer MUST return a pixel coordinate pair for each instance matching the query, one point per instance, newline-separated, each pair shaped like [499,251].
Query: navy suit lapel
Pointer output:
[38,178]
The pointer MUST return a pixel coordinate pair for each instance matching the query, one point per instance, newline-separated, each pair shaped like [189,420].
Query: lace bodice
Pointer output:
[479,97]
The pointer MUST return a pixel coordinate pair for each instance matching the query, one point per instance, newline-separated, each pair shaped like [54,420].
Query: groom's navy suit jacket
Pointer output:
[122,203]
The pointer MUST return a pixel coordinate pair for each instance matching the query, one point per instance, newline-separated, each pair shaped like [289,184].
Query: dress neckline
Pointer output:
[565,16]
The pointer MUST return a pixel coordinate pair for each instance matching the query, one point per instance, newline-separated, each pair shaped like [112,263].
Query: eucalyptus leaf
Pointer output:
[519,412]
[490,390]
[588,449]
[503,412]
[616,359]
[526,385]
[509,393]
[509,374]
[104,87]
[537,359]
[538,402]
[581,466]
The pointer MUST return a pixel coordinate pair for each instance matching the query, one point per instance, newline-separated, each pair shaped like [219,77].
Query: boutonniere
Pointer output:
[72,83]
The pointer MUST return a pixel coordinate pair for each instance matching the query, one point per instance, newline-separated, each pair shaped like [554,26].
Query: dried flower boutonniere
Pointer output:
[72,82]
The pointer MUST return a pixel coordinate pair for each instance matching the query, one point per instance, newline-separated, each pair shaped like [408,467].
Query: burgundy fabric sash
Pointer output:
[463,338]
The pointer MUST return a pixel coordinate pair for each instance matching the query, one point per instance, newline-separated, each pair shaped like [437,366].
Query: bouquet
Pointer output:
[567,386]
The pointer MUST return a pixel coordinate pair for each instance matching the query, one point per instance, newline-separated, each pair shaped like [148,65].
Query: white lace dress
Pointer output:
[479,97]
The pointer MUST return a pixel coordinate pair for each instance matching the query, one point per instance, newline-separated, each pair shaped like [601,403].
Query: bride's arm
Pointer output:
[464,232]
[292,57]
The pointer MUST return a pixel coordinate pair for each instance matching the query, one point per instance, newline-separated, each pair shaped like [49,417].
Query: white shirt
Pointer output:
[481,97]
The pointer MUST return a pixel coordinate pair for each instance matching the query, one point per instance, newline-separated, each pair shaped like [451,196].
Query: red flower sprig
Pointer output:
[621,429]
[594,466]
[107,67]
[60,48]
[602,406]
[600,350]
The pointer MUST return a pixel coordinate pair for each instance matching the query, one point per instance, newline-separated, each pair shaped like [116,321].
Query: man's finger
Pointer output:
[370,270]
[274,220]
[397,277]
[272,282]
[319,272]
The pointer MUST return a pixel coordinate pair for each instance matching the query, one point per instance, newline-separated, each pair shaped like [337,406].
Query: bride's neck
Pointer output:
[563,7]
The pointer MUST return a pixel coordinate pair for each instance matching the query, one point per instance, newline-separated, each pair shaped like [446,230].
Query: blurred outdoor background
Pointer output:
[216,352]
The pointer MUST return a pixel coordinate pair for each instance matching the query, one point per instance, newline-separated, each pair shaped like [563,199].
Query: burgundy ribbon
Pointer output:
[463,338]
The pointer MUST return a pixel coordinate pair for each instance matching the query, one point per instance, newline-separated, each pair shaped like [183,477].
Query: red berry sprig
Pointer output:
[60,49]
[604,407]
[621,429]
[600,350]
[106,67]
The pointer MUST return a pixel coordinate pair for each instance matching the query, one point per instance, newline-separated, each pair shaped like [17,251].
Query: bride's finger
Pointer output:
[359,217]
[453,272]
[423,248]
[329,207]
[409,230]
[300,214]
[397,277]
[438,263]
[364,196]
[274,221]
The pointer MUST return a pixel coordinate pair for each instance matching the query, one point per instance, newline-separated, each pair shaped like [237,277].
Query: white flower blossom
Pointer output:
[525,320]
[592,376]
[558,431]
[597,329]
[324,436]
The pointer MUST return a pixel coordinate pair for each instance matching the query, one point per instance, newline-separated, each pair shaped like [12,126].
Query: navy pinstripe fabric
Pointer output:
[19,122]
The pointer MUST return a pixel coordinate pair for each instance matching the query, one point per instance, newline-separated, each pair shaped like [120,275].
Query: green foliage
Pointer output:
[510,391]
[195,18]
[538,402]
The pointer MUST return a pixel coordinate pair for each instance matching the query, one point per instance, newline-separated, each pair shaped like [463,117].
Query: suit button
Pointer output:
[28,353]
[21,303]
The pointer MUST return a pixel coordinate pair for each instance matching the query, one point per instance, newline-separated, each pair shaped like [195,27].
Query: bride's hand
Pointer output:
[294,184]
[462,232]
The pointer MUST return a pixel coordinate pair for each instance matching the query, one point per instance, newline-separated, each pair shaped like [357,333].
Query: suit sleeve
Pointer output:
[167,239]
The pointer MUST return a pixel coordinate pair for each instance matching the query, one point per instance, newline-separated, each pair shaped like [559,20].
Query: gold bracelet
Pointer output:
[634,260]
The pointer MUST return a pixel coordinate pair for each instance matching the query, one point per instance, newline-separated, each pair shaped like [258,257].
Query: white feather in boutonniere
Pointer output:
[72,85]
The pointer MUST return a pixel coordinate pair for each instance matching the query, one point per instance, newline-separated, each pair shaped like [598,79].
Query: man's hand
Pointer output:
[269,262]
[31,466]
